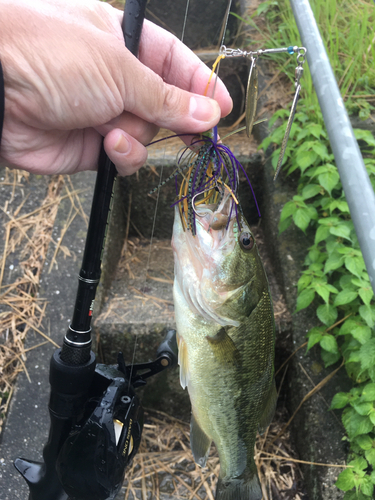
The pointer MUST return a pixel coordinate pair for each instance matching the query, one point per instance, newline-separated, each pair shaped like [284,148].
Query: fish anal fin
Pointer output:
[224,348]
[269,409]
[183,361]
[200,443]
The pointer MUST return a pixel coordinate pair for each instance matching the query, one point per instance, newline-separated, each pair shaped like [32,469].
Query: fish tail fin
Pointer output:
[239,489]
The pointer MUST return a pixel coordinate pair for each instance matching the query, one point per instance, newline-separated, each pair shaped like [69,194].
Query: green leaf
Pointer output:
[366,295]
[335,260]
[327,314]
[363,408]
[371,373]
[330,221]
[341,230]
[316,130]
[314,336]
[345,481]
[354,264]
[329,343]
[341,205]
[288,210]
[339,400]
[320,149]
[367,353]
[354,357]
[362,334]
[304,299]
[329,358]
[302,134]
[322,234]
[303,282]
[372,417]
[302,218]
[368,314]
[329,180]
[344,297]
[364,135]
[315,255]
[364,441]
[370,456]
[305,159]
[359,464]
[321,289]
[367,487]
[355,424]
[355,495]
[368,392]
[310,191]
[349,325]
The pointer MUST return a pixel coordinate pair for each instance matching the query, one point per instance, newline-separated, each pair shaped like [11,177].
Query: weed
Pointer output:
[335,279]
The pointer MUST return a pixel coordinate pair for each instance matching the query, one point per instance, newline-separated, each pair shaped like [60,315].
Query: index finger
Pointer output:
[179,66]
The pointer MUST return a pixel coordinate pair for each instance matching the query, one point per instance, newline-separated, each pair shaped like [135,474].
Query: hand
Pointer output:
[69,80]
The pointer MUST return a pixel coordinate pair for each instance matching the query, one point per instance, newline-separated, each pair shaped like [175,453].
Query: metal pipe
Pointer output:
[354,177]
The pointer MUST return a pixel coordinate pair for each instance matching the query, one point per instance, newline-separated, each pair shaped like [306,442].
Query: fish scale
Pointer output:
[226,330]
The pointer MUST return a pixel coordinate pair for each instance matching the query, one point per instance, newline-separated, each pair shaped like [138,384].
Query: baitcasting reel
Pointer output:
[91,444]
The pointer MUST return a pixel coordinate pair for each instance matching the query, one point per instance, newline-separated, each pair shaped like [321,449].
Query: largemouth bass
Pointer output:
[225,329]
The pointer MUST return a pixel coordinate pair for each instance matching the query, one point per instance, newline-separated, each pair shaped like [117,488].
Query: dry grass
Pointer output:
[27,235]
[164,467]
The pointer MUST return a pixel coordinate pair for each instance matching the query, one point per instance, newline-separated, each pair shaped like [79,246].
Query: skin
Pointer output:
[69,81]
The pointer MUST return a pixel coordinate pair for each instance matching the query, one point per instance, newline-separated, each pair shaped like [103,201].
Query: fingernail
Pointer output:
[203,109]
[122,145]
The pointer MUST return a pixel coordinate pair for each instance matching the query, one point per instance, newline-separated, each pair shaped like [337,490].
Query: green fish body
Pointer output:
[226,330]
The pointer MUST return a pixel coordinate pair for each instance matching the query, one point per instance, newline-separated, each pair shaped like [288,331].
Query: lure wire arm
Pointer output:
[227,52]
[252,88]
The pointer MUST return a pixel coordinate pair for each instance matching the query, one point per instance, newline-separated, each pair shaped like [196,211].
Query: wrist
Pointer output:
[2,101]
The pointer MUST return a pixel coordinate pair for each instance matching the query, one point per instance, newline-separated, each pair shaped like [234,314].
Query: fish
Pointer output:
[226,341]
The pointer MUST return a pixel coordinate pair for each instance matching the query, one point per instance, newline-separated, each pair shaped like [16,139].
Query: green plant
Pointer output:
[347,31]
[334,280]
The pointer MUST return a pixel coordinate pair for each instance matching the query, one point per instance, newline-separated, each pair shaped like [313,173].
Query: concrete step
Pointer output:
[27,424]
[135,302]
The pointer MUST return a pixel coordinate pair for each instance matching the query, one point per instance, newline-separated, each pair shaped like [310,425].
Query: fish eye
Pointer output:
[246,241]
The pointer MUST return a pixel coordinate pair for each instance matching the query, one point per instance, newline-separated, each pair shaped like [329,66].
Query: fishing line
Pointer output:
[185,19]
[156,210]
[147,267]
[222,36]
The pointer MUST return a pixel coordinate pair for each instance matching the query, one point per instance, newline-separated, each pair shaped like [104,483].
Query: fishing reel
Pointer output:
[92,461]
[94,433]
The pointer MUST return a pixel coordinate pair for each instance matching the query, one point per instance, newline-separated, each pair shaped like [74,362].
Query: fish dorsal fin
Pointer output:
[200,443]
[183,361]
[269,409]
[224,348]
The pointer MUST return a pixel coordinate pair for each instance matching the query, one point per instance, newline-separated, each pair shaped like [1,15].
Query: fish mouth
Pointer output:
[215,239]
[200,267]
[218,216]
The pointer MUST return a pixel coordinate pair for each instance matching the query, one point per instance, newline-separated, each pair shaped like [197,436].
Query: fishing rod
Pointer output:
[96,416]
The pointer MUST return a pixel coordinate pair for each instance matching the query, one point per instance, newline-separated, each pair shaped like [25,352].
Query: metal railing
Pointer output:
[354,177]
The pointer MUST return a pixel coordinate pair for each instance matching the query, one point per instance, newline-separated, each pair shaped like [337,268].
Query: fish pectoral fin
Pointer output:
[224,348]
[183,361]
[200,443]
[269,409]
